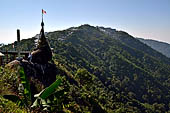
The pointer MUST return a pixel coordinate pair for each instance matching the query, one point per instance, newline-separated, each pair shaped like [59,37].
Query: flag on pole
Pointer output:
[43,12]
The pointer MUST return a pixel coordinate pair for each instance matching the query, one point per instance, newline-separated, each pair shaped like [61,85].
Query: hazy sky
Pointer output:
[140,18]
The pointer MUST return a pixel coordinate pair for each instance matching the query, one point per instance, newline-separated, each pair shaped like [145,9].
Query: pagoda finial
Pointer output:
[42,53]
[42,24]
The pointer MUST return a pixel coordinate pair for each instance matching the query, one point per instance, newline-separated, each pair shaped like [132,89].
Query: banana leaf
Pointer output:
[25,82]
[49,90]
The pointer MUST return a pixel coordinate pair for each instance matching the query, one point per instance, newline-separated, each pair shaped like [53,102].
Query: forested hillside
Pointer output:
[162,47]
[108,70]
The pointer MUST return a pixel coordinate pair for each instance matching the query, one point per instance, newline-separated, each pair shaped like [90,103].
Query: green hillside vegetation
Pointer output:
[162,47]
[105,70]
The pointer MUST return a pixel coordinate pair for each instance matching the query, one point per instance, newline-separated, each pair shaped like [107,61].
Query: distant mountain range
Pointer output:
[162,47]
[127,75]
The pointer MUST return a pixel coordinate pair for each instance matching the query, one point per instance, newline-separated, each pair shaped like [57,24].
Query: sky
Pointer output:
[149,19]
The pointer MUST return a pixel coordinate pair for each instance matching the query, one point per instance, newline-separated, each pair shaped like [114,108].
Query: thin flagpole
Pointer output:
[42,15]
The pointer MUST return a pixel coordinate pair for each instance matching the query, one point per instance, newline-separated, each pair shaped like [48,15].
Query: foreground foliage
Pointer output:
[7,106]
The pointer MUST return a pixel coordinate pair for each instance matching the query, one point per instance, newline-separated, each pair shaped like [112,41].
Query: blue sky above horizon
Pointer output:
[140,18]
